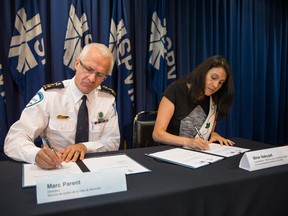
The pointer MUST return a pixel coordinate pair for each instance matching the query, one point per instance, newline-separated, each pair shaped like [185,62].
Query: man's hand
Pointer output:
[46,158]
[74,152]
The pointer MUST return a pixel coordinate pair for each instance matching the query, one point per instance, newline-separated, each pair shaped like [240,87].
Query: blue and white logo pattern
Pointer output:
[77,36]
[36,99]
[3,115]
[161,65]
[2,92]
[25,46]
[120,46]
[27,54]
[161,46]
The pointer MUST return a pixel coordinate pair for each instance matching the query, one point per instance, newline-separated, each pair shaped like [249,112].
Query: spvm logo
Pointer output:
[160,47]
[77,36]
[27,43]
[120,46]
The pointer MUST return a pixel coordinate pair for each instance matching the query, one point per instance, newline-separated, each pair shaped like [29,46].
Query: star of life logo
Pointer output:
[161,46]
[77,30]
[119,45]
[28,44]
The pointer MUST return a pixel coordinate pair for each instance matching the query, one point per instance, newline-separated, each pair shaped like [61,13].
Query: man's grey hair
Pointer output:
[103,51]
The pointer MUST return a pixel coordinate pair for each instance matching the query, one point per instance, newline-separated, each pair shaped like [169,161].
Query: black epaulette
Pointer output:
[53,85]
[108,90]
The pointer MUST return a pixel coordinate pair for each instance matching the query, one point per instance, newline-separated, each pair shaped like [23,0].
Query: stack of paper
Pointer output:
[193,159]
[184,157]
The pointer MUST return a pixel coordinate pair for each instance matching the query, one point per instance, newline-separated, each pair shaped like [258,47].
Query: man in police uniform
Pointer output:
[52,115]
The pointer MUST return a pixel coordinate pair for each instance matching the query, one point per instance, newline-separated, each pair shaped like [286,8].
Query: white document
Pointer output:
[224,150]
[265,158]
[184,157]
[31,172]
[121,161]
[72,186]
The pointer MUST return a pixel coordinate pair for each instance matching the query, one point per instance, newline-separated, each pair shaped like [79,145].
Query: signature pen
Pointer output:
[198,132]
[50,146]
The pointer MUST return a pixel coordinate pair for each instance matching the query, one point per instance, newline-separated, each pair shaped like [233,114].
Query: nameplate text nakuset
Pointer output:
[261,159]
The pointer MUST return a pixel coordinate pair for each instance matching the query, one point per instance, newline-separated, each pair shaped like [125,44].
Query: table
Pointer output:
[217,189]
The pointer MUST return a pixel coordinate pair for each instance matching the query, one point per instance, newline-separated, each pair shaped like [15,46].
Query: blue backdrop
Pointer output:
[154,43]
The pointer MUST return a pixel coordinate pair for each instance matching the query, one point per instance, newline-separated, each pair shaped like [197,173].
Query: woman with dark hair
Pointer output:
[189,108]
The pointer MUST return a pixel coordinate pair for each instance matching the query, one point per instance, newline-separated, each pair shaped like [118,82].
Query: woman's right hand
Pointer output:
[197,143]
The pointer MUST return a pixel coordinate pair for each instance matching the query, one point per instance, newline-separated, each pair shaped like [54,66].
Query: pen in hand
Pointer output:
[198,132]
[52,149]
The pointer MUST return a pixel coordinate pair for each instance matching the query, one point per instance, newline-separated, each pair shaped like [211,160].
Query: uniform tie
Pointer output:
[82,131]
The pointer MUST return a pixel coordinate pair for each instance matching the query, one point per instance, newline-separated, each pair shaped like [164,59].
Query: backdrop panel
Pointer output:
[252,35]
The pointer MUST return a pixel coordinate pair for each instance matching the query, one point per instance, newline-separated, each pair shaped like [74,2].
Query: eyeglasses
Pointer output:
[90,71]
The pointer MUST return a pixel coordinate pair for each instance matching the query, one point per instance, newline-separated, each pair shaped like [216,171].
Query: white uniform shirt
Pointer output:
[53,114]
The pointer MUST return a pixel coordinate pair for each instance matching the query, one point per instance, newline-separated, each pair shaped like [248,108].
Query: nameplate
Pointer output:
[65,187]
[261,159]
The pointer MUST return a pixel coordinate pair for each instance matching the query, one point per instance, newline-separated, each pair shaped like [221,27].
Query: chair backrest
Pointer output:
[143,127]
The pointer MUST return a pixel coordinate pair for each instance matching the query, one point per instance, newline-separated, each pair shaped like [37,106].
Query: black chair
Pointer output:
[143,127]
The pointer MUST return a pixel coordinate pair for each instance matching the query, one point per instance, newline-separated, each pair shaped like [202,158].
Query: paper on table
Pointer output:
[184,157]
[120,161]
[31,172]
[225,151]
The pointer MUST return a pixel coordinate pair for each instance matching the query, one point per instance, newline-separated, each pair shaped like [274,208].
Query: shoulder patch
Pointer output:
[36,99]
[108,90]
[53,85]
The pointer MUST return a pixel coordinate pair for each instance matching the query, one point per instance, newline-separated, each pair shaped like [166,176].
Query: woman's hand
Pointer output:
[215,137]
[197,143]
